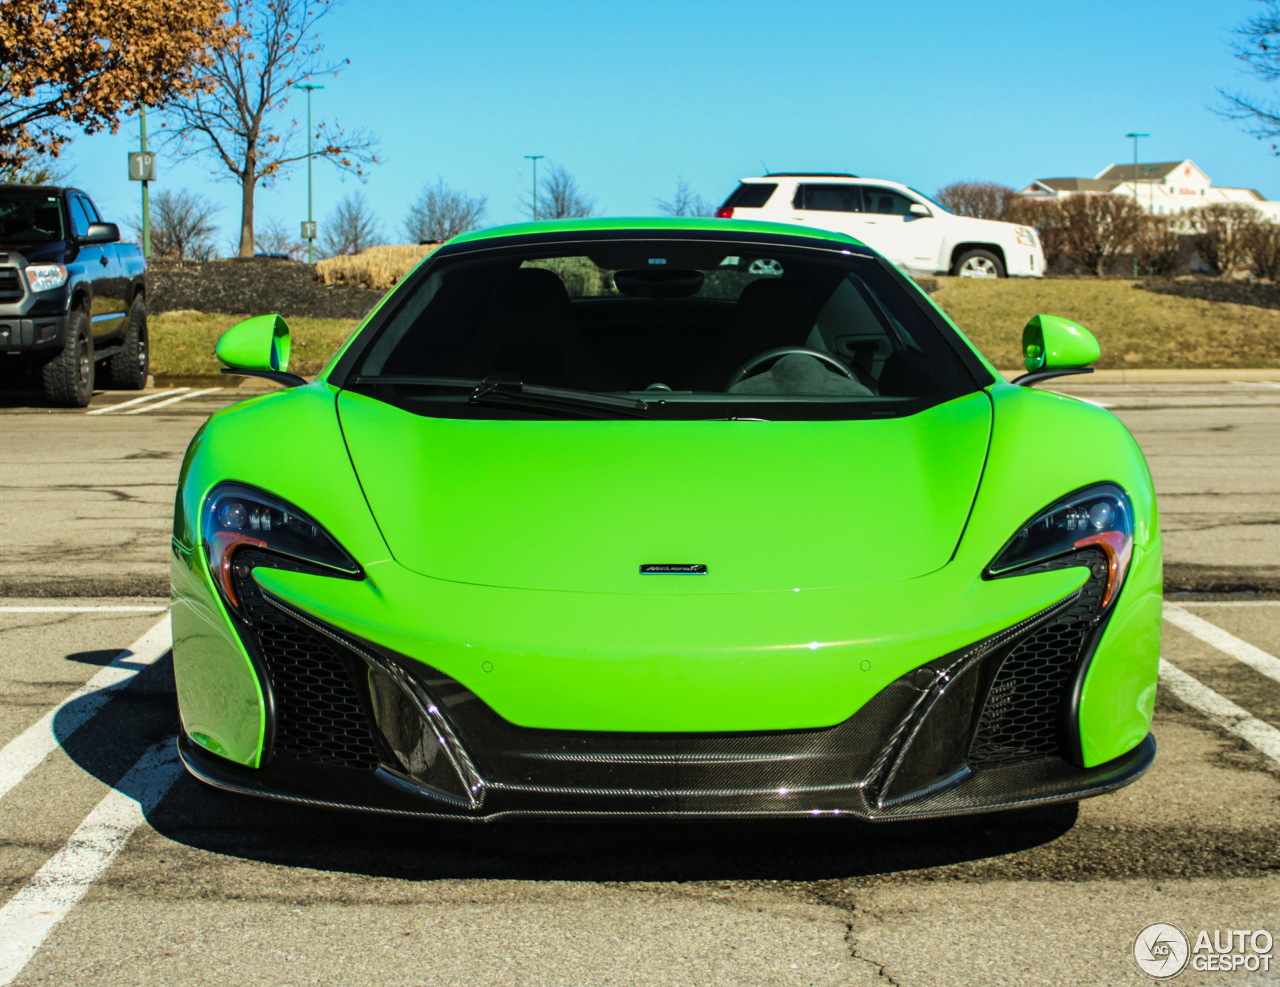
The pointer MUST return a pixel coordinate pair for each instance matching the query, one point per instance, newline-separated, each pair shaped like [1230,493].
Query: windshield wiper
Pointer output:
[510,390]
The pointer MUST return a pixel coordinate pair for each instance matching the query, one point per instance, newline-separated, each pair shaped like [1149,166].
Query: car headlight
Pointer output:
[1097,516]
[236,516]
[46,277]
[1026,236]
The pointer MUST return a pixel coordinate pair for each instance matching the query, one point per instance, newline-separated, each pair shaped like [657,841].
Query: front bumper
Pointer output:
[31,335]
[353,724]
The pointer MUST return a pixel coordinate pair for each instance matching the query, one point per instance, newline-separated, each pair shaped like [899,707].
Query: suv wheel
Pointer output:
[68,377]
[127,370]
[978,264]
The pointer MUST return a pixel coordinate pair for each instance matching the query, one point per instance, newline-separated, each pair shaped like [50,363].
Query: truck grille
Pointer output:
[10,285]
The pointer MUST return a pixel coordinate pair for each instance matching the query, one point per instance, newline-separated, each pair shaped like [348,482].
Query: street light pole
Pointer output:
[146,198]
[1135,188]
[311,225]
[534,158]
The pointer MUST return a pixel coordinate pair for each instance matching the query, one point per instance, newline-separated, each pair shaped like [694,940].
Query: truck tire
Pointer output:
[978,264]
[127,370]
[68,377]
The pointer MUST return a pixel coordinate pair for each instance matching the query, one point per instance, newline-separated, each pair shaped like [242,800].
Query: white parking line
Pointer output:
[71,608]
[27,751]
[1228,644]
[1256,383]
[1229,603]
[164,404]
[29,916]
[1096,404]
[146,397]
[1221,710]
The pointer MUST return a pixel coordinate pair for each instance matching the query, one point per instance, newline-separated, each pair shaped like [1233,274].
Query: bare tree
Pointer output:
[1045,217]
[441,213]
[182,226]
[87,62]
[1263,244]
[350,228]
[1096,229]
[685,202]
[1258,47]
[1157,248]
[276,237]
[559,197]
[232,119]
[1220,233]
[981,200]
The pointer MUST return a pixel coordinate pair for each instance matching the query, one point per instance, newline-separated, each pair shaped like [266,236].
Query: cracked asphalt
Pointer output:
[219,889]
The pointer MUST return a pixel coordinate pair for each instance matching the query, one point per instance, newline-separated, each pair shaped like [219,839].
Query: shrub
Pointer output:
[982,200]
[1096,229]
[1220,232]
[1045,216]
[1262,242]
[1157,248]
[377,267]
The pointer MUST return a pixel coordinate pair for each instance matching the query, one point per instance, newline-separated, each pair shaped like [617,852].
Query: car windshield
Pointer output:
[688,329]
[27,218]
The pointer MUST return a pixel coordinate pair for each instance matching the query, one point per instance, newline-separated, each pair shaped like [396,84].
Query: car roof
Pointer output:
[557,228]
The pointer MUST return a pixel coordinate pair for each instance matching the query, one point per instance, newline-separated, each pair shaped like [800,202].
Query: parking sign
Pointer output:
[142,166]
[308,229]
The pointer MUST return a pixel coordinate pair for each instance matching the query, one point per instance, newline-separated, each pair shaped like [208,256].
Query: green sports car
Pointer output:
[664,518]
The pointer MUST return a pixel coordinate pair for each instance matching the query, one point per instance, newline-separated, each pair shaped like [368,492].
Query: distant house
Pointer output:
[1166,188]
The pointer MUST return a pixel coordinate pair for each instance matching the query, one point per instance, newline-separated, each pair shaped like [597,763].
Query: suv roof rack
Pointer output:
[809,174]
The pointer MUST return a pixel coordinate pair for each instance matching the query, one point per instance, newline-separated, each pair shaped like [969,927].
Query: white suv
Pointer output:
[908,228]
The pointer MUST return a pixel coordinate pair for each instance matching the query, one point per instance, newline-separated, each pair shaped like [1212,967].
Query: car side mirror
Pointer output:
[258,347]
[101,233]
[1056,347]
[919,209]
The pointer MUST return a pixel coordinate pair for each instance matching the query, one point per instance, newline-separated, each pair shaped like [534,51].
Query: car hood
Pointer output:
[582,505]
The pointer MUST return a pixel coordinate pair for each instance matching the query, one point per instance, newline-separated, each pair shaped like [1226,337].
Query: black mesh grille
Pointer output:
[1021,719]
[10,285]
[319,715]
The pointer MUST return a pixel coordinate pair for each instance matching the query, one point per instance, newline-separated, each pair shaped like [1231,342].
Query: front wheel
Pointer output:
[127,370]
[978,264]
[68,377]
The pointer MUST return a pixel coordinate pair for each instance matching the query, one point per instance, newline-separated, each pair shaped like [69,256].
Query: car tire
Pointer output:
[68,377]
[978,264]
[127,370]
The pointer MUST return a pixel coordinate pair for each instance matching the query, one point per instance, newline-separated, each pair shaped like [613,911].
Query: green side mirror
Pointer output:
[258,347]
[1053,343]
[260,343]
[1054,347]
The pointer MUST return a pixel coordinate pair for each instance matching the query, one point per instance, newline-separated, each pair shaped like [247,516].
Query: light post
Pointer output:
[146,198]
[534,158]
[309,227]
[1135,188]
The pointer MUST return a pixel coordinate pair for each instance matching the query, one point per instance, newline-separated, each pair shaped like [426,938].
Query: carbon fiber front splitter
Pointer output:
[991,789]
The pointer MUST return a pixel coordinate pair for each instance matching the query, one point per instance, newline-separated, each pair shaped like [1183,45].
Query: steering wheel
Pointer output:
[744,371]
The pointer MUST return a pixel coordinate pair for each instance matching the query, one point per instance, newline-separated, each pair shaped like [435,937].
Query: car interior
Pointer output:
[671,319]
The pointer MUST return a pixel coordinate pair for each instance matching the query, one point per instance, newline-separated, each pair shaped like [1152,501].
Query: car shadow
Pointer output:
[329,840]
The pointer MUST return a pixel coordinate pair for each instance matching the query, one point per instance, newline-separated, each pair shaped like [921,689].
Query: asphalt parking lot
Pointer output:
[119,869]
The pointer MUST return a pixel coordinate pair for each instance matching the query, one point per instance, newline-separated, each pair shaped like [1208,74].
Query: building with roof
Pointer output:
[1164,188]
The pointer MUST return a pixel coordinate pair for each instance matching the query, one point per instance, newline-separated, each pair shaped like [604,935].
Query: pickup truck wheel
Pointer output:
[978,264]
[127,370]
[68,377]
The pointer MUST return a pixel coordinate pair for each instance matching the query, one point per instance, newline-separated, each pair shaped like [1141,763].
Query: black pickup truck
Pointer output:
[72,297]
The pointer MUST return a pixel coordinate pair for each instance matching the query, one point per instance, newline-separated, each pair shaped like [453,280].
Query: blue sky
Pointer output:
[629,97]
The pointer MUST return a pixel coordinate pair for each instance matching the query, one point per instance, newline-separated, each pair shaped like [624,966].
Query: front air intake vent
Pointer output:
[319,714]
[1022,716]
[10,285]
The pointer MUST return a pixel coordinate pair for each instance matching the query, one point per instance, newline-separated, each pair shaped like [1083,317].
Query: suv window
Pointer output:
[878,199]
[79,217]
[829,198]
[750,195]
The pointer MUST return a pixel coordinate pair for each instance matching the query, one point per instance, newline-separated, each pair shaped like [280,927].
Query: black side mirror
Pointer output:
[101,233]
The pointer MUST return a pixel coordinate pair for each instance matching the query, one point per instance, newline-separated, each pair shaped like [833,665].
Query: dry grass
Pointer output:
[377,267]
[182,342]
[1135,328]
